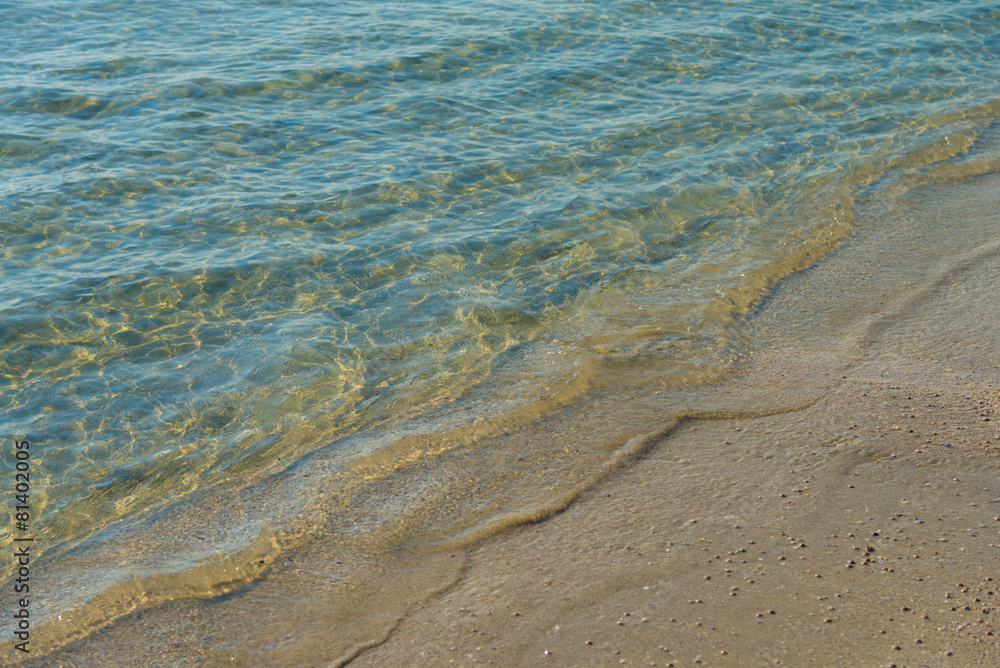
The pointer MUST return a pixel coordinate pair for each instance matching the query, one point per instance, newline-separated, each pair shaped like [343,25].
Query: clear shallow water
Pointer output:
[236,235]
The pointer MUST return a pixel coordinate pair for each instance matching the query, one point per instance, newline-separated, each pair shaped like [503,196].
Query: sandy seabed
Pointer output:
[847,515]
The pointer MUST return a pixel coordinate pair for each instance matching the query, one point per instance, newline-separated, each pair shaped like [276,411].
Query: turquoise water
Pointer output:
[237,235]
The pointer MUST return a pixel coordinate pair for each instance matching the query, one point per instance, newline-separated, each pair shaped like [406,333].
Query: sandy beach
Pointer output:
[862,529]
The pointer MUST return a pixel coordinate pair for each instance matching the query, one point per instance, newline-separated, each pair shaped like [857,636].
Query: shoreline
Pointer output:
[862,529]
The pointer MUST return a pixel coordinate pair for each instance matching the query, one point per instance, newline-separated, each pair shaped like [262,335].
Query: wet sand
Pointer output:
[827,537]
[862,529]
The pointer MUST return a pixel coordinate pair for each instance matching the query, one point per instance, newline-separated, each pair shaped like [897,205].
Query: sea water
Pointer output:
[280,274]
